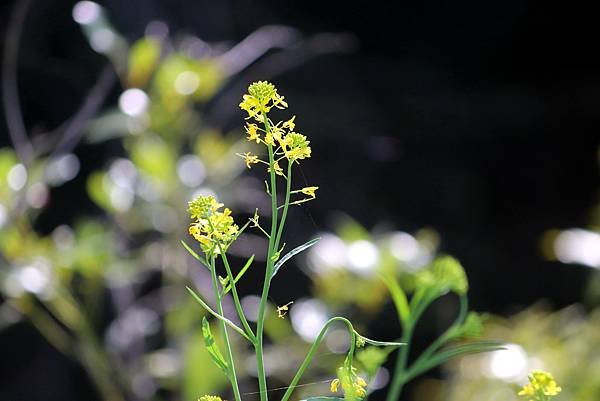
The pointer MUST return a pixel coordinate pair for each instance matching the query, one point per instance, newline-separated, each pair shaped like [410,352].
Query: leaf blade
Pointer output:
[212,348]
[292,253]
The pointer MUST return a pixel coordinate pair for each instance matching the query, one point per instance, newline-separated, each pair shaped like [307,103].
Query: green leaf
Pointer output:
[453,352]
[212,348]
[195,255]
[215,314]
[239,275]
[371,358]
[293,252]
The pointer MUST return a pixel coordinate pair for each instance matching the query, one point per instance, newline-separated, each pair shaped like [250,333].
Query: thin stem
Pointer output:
[447,335]
[286,205]
[260,364]
[236,299]
[313,349]
[230,363]
[400,369]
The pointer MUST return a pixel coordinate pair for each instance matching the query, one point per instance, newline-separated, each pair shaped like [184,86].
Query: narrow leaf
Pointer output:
[447,354]
[239,275]
[215,314]
[293,252]
[212,348]
[195,255]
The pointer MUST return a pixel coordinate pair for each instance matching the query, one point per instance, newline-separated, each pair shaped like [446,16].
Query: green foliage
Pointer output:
[292,253]
[213,350]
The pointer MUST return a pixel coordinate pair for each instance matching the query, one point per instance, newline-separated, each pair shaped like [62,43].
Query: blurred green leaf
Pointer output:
[453,352]
[199,375]
[143,58]
[323,398]
[154,157]
[97,191]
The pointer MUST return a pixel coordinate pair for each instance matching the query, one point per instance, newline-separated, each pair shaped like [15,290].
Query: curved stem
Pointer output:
[260,364]
[230,363]
[315,346]
[447,335]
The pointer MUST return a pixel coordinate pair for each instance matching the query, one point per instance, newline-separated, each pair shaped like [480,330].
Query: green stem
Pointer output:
[313,349]
[260,364]
[236,299]
[286,205]
[400,369]
[230,363]
[447,335]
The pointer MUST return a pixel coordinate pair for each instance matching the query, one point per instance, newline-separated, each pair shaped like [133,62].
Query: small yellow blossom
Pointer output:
[269,139]
[210,398]
[353,386]
[249,159]
[541,386]
[283,310]
[310,191]
[289,124]
[296,146]
[252,131]
[278,169]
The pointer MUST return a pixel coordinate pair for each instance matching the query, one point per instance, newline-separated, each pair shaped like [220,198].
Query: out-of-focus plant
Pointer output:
[89,287]
[400,265]
[541,387]
[215,231]
[567,340]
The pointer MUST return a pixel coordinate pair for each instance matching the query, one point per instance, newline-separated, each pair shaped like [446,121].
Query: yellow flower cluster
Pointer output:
[261,98]
[541,386]
[291,145]
[353,386]
[210,398]
[211,227]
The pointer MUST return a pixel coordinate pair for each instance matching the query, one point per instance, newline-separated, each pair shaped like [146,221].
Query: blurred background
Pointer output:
[465,129]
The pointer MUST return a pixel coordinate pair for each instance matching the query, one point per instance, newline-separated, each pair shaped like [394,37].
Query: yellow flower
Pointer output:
[212,227]
[210,398]
[353,386]
[541,386]
[282,310]
[310,191]
[296,146]
[249,159]
[269,139]
[253,134]
[261,97]
[278,169]
[289,124]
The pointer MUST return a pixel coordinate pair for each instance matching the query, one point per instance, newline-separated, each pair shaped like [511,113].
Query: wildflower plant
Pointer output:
[541,387]
[214,229]
[444,275]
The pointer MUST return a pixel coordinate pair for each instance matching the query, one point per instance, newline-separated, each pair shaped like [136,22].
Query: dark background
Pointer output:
[475,118]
